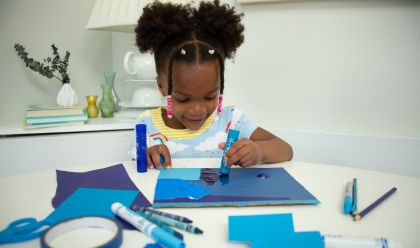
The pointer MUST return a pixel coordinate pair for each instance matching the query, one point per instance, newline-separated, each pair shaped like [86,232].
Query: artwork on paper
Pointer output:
[197,187]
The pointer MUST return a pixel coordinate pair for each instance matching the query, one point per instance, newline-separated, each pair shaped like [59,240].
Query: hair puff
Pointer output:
[159,22]
[222,22]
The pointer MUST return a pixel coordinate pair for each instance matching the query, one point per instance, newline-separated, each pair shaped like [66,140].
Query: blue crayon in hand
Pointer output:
[232,137]
[141,147]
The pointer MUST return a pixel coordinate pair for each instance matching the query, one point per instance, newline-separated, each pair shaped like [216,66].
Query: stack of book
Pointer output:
[38,116]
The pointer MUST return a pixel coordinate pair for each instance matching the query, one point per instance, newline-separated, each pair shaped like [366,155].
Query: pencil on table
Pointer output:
[365,211]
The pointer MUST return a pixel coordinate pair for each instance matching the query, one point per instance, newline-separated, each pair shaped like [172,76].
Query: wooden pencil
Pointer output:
[365,211]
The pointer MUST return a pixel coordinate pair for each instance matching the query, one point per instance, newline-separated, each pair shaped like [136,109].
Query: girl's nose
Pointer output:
[197,107]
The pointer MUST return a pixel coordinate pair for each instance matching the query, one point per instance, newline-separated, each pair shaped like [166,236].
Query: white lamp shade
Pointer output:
[119,15]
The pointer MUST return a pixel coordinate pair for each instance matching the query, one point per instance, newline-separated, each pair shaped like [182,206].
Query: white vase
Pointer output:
[66,96]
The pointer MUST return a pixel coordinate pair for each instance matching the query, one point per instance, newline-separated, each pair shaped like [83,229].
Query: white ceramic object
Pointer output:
[147,95]
[66,96]
[139,65]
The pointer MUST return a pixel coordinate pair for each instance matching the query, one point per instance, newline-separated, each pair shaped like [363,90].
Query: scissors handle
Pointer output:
[23,230]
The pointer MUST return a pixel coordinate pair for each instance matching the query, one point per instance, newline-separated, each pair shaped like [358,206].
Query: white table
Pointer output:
[397,218]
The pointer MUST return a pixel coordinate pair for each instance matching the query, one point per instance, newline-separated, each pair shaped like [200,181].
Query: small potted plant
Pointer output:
[52,67]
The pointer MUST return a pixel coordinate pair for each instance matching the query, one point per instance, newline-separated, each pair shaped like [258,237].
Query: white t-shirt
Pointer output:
[202,143]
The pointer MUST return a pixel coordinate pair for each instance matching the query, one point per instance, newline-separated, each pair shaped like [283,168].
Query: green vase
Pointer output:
[107,104]
[109,79]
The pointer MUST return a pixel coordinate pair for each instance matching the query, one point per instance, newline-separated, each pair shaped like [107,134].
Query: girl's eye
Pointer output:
[182,100]
[210,98]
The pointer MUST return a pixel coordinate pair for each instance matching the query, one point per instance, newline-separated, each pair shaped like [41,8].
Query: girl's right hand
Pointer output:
[154,155]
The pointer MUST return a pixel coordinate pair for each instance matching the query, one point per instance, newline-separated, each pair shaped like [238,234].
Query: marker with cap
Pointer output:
[147,227]
[350,199]
[339,241]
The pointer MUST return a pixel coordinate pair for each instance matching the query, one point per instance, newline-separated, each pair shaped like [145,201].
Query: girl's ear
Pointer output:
[161,85]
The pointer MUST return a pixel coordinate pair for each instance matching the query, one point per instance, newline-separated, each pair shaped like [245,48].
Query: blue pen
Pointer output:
[141,147]
[147,227]
[232,137]
[354,205]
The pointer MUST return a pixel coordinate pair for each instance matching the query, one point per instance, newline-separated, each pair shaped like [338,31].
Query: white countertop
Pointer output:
[397,218]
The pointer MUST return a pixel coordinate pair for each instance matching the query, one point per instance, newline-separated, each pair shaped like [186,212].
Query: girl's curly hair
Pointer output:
[181,33]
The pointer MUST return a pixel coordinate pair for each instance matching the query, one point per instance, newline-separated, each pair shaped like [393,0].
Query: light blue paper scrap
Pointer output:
[273,230]
[254,227]
[176,188]
[180,173]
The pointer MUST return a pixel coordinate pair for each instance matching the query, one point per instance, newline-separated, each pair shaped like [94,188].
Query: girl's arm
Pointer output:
[262,146]
[272,148]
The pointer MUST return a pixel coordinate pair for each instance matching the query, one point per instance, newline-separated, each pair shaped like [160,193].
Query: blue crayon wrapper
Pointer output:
[232,137]
[141,147]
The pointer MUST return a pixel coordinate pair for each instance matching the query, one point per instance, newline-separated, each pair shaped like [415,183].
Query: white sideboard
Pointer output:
[108,141]
[98,141]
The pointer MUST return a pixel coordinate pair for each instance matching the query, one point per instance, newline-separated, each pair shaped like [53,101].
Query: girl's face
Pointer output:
[195,93]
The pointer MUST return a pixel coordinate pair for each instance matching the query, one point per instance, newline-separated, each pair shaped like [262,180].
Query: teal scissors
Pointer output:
[23,230]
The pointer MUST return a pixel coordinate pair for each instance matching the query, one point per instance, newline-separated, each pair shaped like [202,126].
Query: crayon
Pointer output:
[171,216]
[359,216]
[162,220]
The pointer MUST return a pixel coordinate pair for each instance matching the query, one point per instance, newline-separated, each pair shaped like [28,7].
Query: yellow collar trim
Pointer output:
[156,115]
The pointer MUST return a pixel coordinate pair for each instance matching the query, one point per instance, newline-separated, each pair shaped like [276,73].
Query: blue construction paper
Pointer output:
[112,177]
[83,202]
[244,186]
[176,188]
[89,201]
[180,173]
[272,230]
[245,182]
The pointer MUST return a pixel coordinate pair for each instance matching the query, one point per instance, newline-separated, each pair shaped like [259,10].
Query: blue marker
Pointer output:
[141,147]
[232,137]
[147,227]
[350,199]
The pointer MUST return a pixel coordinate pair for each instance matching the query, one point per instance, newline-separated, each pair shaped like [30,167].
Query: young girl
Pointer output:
[190,46]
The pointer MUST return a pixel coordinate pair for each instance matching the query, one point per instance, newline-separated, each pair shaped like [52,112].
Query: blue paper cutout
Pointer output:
[180,173]
[176,188]
[90,201]
[272,230]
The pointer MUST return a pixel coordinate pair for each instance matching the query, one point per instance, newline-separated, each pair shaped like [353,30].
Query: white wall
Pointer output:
[331,66]
[36,25]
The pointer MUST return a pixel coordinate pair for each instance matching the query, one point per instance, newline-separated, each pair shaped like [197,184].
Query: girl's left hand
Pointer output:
[244,153]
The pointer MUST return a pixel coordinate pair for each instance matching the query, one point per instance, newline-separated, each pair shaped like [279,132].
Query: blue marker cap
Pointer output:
[141,147]
[167,239]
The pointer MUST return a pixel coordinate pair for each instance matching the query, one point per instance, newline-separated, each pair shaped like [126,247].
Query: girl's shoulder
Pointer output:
[232,111]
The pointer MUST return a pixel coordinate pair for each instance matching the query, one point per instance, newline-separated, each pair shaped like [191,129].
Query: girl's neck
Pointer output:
[173,122]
